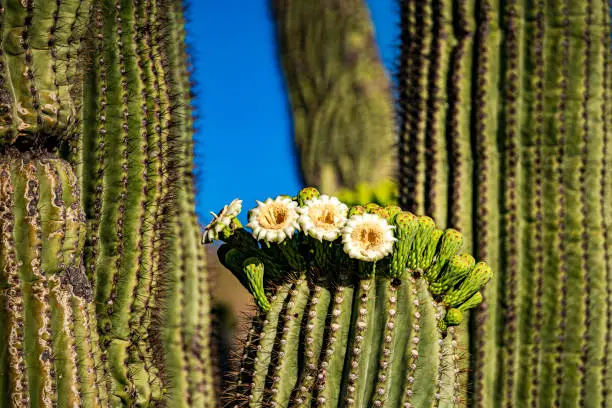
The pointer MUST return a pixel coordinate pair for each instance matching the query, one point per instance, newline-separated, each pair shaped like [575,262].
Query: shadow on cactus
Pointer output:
[357,305]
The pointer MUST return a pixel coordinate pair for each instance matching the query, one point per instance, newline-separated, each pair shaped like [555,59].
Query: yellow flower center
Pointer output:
[274,216]
[323,216]
[367,236]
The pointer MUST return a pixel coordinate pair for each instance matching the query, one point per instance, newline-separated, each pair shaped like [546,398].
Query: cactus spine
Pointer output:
[504,135]
[346,315]
[49,355]
[142,251]
[339,93]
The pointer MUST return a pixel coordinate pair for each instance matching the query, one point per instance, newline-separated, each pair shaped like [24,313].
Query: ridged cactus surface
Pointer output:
[40,72]
[505,135]
[49,354]
[339,92]
[142,251]
[358,309]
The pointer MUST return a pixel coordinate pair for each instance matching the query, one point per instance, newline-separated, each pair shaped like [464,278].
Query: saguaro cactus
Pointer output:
[339,92]
[142,251]
[505,135]
[357,310]
[39,74]
[49,354]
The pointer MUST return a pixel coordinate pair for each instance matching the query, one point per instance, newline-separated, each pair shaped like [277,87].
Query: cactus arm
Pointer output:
[339,92]
[316,314]
[284,372]
[265,346]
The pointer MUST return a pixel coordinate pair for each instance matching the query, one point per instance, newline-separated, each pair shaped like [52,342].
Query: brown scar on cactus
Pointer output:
[359,308]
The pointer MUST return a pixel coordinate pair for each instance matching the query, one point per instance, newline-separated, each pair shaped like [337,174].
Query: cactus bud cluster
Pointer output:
[347,310]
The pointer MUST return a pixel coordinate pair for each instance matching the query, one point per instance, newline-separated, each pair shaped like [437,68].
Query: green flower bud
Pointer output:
[425,228]
[307,193]
[453,317]
[393,210]
[476,279]
[406,227]
[430,249]
[369,207]
[356,210]
[451,242]
[456,270]
[471,303]
[381,212]
[254,270]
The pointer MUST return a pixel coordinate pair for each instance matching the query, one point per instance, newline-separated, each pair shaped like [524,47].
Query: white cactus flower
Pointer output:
[367,237]
[274,220]
[323,217]
[221,221]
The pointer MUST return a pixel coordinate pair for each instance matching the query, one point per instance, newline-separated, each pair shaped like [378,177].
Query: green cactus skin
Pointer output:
[142,250]
[39,74]
[339,93]
[302,361]
[49,355]
[505,136]
[342,332]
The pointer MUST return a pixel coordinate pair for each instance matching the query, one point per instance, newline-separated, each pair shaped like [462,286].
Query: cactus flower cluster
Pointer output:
[357,305]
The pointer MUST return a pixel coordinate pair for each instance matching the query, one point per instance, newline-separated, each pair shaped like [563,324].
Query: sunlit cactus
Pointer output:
[49,356]
[346,312]
[505,135]
[143,252]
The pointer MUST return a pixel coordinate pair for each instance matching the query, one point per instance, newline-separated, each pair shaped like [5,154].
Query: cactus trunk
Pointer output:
[49,355]
[380,346]
[142,249]
[505,135]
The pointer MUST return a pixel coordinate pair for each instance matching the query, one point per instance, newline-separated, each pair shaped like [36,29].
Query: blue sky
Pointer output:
[244,145]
